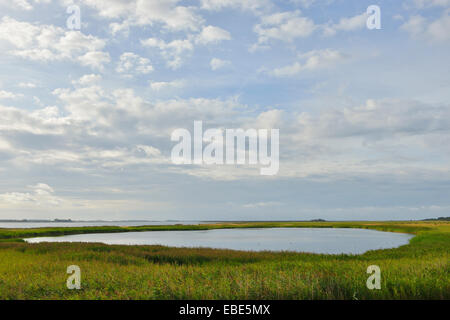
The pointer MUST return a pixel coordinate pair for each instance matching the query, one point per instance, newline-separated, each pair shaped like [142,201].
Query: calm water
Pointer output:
[51,224]
[330,241]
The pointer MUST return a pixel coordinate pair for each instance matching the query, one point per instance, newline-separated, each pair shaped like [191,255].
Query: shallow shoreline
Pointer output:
[17,234]
[300,240]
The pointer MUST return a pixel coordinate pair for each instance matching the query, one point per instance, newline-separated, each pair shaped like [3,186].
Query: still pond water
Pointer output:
[315,240]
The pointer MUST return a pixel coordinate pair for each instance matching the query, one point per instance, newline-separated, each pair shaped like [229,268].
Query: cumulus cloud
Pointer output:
[88,79]
[41,195]
[346,24]
[291,25]
[108,129]
[176,51]
[379,138]
[130,63]
[212,34]
[27,85]
[312,60]
[95,59]
[169,14]
[415,25]
[49,43]
[173,51]
[272,119]
[304,3]
[9,95]
[431,3]
[217,63]
[377,120]
[251,5]
[284,26]
[163,85]
[436,31]
[41,121]
[22,4]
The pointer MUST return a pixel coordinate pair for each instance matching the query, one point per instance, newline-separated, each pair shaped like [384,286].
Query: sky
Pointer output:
[86,114]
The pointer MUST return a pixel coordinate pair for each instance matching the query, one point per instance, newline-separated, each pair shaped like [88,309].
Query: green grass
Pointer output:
[419,270]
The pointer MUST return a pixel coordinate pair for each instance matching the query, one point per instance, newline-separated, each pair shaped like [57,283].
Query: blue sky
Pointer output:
[86,115]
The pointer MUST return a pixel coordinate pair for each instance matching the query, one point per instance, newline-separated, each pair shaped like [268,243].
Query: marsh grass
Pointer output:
[419,270]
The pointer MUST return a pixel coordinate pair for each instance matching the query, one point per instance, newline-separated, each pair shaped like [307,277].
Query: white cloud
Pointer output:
[251,5]
[21,4]
[346,24]
[174,51]
[9,95]
[431,3]
[149,150]
[383,137]
[42,121]
[415,25]
[284,26]
[272,119]
[436,31]
[88,79]
[41,195]
[27,85]
[304,3]
[163,85]
[212,34]
[131,63]
[439,30]
[122,113]
[217,63]
[291,25]
[120,27]
[376,119]
[49,43]
[95,59]
[312,60]
[5,146]
[169,14]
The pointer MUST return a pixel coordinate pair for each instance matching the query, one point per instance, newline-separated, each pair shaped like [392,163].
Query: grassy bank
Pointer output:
[420,270]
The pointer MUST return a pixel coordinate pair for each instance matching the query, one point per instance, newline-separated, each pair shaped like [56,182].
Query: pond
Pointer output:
[314,240]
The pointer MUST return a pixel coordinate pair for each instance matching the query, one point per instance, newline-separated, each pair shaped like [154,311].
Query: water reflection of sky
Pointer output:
[323,240]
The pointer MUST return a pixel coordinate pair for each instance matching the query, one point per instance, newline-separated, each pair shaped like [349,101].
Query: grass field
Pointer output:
[420,270]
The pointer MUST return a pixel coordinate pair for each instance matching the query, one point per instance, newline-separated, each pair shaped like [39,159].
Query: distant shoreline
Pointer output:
[206,221]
